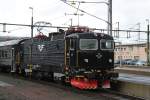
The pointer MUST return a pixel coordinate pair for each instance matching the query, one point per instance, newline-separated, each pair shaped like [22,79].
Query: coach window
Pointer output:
[0,53]
[6,54]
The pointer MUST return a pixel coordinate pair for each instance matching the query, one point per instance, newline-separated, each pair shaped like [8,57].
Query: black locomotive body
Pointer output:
[43,56]
[84,59]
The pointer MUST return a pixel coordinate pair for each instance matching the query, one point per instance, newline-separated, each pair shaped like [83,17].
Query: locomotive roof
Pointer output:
[10,42]
[86,34]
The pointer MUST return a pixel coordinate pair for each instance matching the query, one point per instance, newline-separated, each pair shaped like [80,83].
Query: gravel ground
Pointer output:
[12,88]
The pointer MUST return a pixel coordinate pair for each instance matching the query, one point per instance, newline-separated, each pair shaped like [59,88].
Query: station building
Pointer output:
[131,51]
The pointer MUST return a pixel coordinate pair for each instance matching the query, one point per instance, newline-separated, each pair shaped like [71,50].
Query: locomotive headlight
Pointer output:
[110,60]
[86,60]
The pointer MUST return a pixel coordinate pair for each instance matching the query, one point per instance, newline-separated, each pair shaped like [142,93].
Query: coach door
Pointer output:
[13,60]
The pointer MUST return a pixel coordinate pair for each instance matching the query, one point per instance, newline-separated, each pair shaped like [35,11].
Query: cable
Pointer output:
[68,27]
[85,1]
[85,12]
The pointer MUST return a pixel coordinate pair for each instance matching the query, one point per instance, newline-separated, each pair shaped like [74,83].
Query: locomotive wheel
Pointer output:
[5,70]
[63,80]
[51,76]
[37,75]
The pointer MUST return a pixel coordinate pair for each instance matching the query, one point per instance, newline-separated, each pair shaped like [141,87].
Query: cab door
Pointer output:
[71,52]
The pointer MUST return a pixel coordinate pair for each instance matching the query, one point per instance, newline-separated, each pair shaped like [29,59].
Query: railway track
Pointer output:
[105,94]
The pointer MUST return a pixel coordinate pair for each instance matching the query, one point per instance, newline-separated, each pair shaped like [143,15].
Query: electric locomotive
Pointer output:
[78,56]
[89,58]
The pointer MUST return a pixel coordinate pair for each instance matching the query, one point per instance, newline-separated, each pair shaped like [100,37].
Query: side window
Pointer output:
[5,54]
[72,44]
[0,54]
[67,44]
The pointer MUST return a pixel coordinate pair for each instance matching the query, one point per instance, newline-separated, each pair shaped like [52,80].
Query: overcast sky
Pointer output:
[127,12]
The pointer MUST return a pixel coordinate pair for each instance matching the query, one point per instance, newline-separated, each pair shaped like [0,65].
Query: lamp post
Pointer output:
[139,26]
[118,29]
[109,17]
[31,22]
[30,66]
[71,21]
[148,60]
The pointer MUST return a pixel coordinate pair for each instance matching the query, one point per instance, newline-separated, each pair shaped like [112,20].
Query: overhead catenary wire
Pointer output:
[63,27]
[85,12]
[84,1]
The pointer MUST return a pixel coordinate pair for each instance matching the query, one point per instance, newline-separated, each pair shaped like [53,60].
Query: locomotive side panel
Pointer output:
[46,54]
[56,52]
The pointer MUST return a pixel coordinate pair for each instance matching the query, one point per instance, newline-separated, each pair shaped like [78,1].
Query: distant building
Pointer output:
[131,51]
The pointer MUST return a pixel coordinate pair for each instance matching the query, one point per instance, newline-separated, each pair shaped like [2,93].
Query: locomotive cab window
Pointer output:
[88,44]
[107,44]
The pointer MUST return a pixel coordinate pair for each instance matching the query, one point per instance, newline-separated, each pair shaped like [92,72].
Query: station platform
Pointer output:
[140,79]
[134,81]
[134,70]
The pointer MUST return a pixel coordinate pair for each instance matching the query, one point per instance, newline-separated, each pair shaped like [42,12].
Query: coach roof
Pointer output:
[10,42]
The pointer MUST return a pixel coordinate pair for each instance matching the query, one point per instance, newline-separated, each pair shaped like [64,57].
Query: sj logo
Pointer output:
[40,47]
